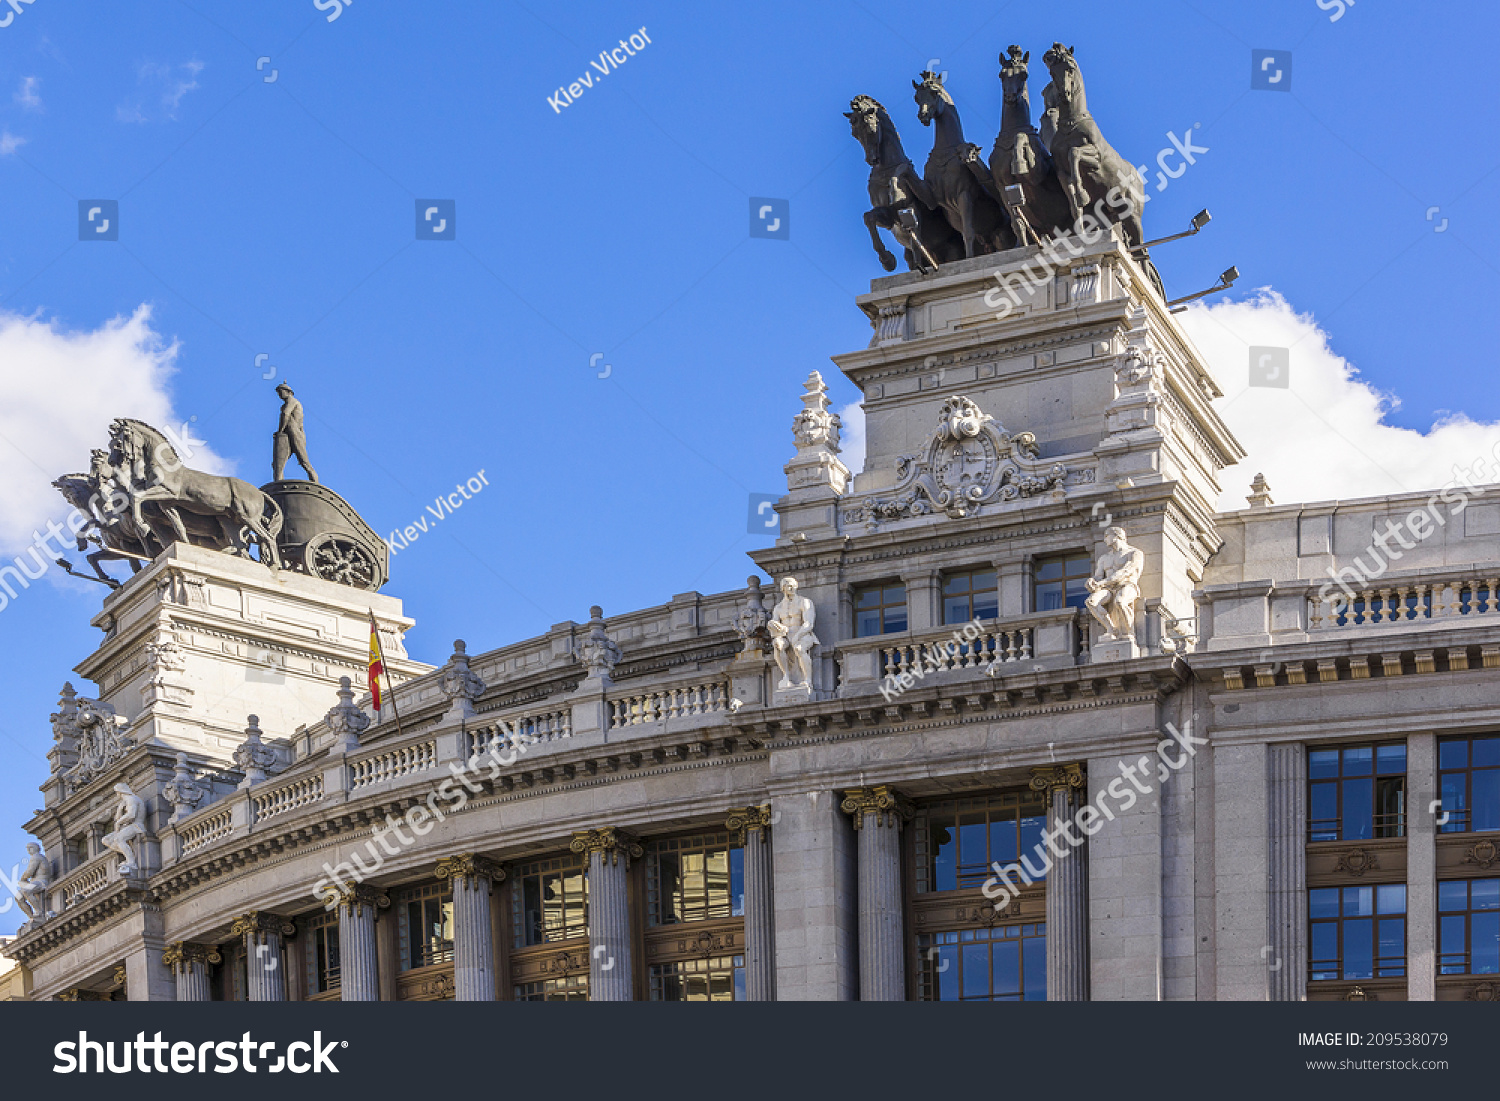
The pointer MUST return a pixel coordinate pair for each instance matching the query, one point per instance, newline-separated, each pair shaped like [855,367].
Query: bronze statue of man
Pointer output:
[290,437]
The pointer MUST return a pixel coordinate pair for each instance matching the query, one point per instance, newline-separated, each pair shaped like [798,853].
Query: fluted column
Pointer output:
[1286,802]
[608,852]
[878,813]
[753,824]
[1067,894]
[473,878]
[359,961]
[189,965]
[262,933]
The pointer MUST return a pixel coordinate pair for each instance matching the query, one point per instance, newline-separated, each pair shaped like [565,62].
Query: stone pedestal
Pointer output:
[359,963]
[784,697]
[264,969]
[189,965]
[473,878]
[1118,649]
[878,813]
[609,852]
[1067,896]
[754,827]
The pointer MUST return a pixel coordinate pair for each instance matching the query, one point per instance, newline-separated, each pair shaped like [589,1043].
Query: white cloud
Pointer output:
[1325,436]
[168,84]
[852,437]
[27,95]
[9,143]
[62,388]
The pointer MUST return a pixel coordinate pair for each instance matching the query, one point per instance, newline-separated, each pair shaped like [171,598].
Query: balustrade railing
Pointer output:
[289,797]
[392,764]
[668,703]
[1396,602]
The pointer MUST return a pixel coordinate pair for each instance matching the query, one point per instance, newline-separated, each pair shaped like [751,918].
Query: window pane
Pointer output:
[1083,566]
[1455,802]
[1484,894]
[1323,764]
[1392,947]
[947,969]
[1390,760]
[1358,760]
[1051,570]
[1359,901]
[1486,752]
[1049,596]
[1323,902]
[976,971]
[867,623]
[1454,754]
[1325,950]
[1358,949]
[1453,895]
[955,609]
[737,882]
[895,619]
[1484,943]
[945,863]
[1034,956]
[1358,805]
[1324,812]
[1031,837]
[986,605]
[1486,811]
[867,598]
[1006,980]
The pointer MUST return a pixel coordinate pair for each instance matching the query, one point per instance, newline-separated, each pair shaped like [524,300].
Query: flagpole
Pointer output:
[395,711]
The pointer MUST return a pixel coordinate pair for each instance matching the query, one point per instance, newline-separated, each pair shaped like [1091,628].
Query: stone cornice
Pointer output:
[74,921]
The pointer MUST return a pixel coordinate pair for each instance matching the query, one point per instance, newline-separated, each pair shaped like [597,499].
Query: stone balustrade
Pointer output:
[1389,602]
[392,764]
[84,882]
[528,729]
[664,704]
[288,797]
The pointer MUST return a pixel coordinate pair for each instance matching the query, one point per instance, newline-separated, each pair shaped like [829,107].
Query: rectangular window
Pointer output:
[1356,793]
[957,841]
[694,879]
[716,979]
[1469,927]
[1357,932]
[571,988]
[425,915]
[1469,782]
[1004,963]
[549,901]
[969,596]
[879,610]
[1059,582]
[323,953]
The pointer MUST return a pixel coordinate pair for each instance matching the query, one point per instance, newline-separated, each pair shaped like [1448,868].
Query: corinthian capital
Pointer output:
[362,894]
[180,955]
[745,819]
[888,806]
[610,843]
[470,867]
[259,923]
[1049,778]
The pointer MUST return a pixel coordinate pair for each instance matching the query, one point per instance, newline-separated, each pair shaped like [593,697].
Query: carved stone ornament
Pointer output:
[183,792]
[259,924]
[253,757]
[181,955]
[1483,853]
[1177,635]
[887,805]
[1049,778]
[566,963]
[598,652]
[815,426]
[354,895]
[163,656]
[458,682]
[750,623]
[88,738]
[745,819]
[130,830]
[1137,366]
[470,867]
[970,461]
[1360,994]
[1483,992]
[1357,862]
[346,721]
[610,843]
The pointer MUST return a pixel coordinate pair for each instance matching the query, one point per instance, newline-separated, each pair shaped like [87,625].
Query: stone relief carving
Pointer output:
[346,721]
[458,681]
[163,656]
[88,737]
[129,831]
[183,792]
[969,461]
[598,652]
[750,623]
[815,426]
[253,757]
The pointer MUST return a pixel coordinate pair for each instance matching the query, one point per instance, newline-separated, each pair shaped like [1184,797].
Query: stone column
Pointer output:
[924,609]
[609,852]
[878,813]
[263,932]
[473,878]
[189,964]
[1067,895]
[359,959]
[753,824]
[1286,825]
[1421,867]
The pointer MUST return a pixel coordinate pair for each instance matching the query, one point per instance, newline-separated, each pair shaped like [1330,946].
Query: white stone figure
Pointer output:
[792,638]
[1115,587]
[129,831]
[34,882]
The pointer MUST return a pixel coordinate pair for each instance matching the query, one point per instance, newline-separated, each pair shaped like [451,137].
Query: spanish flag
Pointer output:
[377,664]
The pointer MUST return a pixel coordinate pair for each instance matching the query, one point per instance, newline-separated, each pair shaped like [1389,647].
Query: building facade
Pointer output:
[1230,778]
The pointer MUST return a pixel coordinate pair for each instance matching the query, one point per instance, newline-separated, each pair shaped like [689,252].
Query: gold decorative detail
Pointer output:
[1050,778]
[888,805]
[1483,853]
[1484,992]
[1358,862]
[362,894]
[119,976]
[438,988]
[259,923]
[181,954]
[565,963]
[610,843]
[469,867]
[78,994]
[707,944]
[745,819]
[1359,994]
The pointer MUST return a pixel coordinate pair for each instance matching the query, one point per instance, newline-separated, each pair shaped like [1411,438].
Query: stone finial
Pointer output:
[1260,493]
[458,683]
[184,793]
[598,652]
[64,753]
[750,623]
[815,428]
[253,757]
[346,721]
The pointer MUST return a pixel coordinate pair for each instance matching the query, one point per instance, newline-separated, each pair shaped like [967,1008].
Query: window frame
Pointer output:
[882,607]
[1065,560]
[939,949]
[1381,967]
[1461,819]
[1394,823]
[440,892]
[969,593]
[1465,966]
[322,932]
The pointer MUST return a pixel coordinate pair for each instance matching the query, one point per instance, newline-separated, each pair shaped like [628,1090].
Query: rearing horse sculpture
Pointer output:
[955,188]
[899,200]
[1019,159]
[155,473]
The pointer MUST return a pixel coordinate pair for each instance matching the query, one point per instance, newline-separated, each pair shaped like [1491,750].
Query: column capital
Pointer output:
[1050,778]
[260,923]
[362,894]
[744,819]
[180,955]
[610,843]
[888,805]
[469,867]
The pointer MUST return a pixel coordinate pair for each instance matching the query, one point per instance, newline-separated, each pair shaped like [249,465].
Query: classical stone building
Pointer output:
[1272,789]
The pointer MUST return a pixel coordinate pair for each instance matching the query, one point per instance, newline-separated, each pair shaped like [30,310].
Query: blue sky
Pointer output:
[277,217]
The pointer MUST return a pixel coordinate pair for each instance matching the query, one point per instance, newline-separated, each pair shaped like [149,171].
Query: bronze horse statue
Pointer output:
[900,201]
[109,525]
[154,473]
[1019,159]
[949,175]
